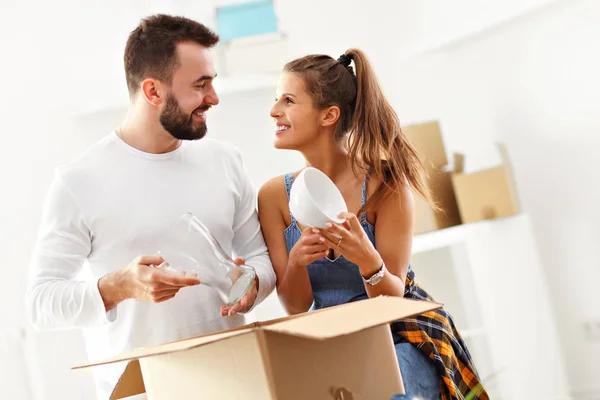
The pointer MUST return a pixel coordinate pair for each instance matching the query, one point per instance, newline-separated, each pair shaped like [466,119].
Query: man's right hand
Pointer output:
[142,281]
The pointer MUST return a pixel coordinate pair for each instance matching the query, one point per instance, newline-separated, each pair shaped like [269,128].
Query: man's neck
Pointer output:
[144,134]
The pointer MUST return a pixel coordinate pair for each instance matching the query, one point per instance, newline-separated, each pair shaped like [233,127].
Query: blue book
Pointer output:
[246,19]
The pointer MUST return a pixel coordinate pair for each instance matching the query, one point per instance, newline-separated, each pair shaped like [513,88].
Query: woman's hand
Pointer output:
[350,240]
[308,249]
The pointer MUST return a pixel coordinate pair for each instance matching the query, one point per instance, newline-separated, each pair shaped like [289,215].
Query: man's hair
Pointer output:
[151,47]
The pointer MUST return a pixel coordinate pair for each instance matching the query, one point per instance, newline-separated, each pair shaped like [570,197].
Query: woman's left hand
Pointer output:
[350,240]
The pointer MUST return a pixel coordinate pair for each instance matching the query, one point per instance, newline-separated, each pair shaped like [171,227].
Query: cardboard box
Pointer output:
[442,190]
[486,194]
[343,352]
[427,140]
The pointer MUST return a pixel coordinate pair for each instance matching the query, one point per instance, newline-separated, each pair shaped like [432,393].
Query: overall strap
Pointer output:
[289,180]
[363,200]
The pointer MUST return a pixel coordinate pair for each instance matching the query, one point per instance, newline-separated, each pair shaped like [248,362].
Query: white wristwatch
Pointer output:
[376,277]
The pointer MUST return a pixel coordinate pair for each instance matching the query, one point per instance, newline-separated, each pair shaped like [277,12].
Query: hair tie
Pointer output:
[345,60]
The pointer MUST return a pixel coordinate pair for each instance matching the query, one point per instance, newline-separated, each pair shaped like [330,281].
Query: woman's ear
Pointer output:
[330,115]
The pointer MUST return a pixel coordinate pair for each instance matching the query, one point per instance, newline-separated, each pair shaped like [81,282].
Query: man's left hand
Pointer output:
[246,302]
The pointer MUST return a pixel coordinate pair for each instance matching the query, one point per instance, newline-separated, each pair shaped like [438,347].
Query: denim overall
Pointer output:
[339,281]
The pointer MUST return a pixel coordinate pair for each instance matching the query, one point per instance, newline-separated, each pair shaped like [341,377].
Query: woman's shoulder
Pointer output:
[272,197]
[389,196]
[273,191]
[272,187]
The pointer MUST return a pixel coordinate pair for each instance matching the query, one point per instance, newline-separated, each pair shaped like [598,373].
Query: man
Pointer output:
[112,204]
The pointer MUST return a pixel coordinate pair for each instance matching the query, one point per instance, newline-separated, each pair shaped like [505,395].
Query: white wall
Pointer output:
[534,85]
[531,82]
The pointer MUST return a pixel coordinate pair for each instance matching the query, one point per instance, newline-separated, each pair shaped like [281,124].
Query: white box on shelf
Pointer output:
[260,54]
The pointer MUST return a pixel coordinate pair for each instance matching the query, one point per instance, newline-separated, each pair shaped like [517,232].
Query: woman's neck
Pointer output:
[331,158]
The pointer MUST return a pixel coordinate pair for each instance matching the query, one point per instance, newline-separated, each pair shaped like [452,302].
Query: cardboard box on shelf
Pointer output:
[486,194]
[428,142]
[332,354]
[428,219]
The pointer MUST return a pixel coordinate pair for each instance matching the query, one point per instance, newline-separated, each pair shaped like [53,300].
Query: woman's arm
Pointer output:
[393,230]
[293,285]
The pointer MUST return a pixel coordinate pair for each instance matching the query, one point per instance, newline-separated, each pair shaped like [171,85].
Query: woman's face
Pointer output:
[297,121]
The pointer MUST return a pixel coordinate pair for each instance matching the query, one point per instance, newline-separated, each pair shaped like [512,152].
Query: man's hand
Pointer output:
[142,281]
[246,302]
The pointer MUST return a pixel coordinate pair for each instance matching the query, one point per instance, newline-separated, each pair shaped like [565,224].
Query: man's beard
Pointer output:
[178,124]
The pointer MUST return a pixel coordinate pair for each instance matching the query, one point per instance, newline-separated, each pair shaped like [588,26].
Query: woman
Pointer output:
[343,125]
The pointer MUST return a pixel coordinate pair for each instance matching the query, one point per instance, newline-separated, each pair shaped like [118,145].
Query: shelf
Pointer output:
[443,238]
[471,333]
[454,235]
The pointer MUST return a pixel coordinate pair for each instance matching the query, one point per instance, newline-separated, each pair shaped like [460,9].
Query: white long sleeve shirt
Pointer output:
[111,205]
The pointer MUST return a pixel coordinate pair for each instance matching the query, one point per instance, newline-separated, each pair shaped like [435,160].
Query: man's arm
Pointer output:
[55,299]
[248,241]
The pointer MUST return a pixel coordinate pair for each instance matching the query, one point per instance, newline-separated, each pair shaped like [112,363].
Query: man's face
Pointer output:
[191,93]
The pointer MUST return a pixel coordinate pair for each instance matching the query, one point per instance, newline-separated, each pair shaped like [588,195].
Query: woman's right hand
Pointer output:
[308,249]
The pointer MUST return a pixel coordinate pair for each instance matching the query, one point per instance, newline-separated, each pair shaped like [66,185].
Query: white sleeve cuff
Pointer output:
[99,310]
[265,287]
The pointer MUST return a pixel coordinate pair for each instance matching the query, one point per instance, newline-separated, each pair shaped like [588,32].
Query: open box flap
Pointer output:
[322,324]
[167,348]
[352,317]
[458,163]
[130,383]
[186,344]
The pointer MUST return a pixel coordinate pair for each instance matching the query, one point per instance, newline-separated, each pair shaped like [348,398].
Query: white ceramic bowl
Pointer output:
[315,200]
